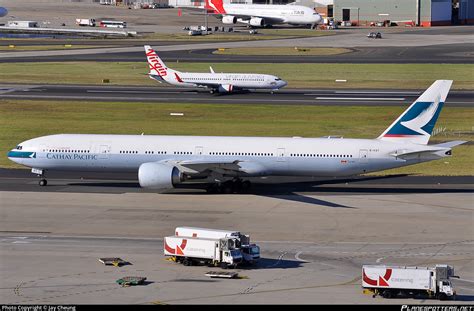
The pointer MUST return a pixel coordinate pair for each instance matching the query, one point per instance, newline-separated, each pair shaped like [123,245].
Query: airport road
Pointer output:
[447,54]
[312,251]
[339,97]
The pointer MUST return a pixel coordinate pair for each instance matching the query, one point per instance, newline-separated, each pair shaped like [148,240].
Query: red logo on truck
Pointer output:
[178,250]
[382,281]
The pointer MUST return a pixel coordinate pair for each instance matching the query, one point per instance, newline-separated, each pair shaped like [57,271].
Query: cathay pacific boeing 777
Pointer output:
[163,162]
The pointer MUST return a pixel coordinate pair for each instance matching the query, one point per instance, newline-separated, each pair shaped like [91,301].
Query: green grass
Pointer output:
[294,51]
[22,120]
[302,75]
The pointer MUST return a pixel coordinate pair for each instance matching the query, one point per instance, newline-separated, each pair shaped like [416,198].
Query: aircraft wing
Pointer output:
[217,86]
[268,20]
[221,166]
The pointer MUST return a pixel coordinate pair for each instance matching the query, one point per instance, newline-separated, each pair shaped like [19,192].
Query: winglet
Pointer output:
[178,78]
[212,70]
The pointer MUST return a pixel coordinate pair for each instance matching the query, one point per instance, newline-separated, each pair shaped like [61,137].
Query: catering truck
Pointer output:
[212,252]
[250,251]
[400,281]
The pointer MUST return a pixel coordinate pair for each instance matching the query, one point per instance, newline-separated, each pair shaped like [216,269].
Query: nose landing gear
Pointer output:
[40,173]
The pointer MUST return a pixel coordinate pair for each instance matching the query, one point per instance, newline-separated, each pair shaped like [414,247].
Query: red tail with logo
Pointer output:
[215,6]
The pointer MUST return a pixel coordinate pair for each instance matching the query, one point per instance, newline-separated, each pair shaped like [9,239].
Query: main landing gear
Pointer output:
[43,182]
[230,186]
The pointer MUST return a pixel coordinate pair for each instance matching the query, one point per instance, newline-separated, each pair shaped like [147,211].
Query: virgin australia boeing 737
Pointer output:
[215,82]
[163,162]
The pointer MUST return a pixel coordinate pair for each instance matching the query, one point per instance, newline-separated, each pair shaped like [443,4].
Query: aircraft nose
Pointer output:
[318,19]
[12,156]
[283,83]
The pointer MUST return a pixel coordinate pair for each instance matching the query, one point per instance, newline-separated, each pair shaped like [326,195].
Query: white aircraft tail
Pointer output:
[416,124]
[158,70]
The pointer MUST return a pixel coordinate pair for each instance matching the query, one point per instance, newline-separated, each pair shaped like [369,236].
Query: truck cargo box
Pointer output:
[205,233]
[191,247]
[419,278]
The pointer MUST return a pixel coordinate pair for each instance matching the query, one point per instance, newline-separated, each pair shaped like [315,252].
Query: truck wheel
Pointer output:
[223,265]
[387,294]
[442,296]
[186,262]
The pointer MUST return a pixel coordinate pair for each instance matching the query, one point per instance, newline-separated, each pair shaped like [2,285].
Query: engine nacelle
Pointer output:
[229,19]
[3,12]
[159,176]
[257,21]
[225,88]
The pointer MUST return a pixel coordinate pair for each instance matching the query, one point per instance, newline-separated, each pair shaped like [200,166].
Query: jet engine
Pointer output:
[3,12]
[229,19]
[257,21]
[159,176]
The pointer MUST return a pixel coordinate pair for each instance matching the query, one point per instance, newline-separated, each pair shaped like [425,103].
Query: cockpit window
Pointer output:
[277,79]
[19,147]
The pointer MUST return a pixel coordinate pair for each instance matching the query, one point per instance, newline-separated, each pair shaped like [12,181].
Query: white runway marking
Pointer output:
[360,98]
[135,92]
[297,256]
[375,92]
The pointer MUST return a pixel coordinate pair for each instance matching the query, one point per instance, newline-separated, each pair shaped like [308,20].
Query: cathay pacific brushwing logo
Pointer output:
[416,124]
[417,121]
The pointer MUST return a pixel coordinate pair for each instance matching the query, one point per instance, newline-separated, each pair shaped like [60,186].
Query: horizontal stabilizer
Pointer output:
[451,144]
[435,150]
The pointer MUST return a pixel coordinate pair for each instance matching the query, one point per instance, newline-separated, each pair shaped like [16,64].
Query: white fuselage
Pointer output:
[226,80]
[276,14]
[258,156]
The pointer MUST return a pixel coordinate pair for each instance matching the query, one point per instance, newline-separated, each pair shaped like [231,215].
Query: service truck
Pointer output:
[85,22]
[401,281]
[250,251]
[212,252]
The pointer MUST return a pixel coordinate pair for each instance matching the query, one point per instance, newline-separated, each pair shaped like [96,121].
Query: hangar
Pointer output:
[423,13]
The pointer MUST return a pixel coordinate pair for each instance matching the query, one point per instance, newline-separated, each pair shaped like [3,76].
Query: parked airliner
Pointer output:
[260,15]
[215,82]
[164,162]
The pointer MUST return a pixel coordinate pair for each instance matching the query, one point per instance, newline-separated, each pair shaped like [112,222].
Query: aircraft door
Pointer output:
[363,156]
[281,155]
[43,149]
[103,151]
[198,150]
